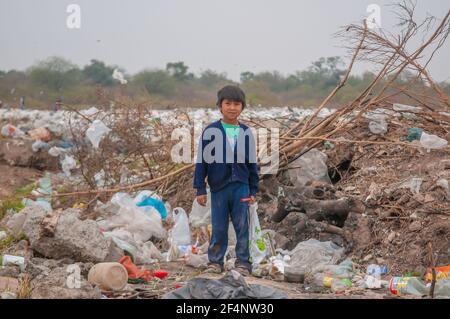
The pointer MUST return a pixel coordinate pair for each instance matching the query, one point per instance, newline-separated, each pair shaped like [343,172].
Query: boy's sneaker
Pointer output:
[213,269]
[242,270]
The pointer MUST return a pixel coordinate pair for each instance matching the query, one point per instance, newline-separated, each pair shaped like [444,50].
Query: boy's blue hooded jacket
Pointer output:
[225,166]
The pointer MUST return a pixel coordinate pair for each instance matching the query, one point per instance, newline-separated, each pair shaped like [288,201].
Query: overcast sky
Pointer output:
[227,36]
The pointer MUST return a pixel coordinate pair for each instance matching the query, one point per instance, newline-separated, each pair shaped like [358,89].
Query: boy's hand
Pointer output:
[202,200]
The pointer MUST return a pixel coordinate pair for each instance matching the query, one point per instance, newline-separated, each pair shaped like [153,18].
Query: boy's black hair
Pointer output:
[231,92]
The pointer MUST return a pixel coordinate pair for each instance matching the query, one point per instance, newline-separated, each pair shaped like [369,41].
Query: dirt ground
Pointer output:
[13,177]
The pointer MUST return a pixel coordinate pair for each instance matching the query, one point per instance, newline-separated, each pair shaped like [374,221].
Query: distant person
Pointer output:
[57,105]
[22,103]
[1,104]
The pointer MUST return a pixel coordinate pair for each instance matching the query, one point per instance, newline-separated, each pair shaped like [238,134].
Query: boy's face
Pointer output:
[231,109]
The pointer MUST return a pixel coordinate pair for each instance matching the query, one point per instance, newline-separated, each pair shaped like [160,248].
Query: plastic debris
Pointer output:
[378,127]
[117,75]
[10,260]
[39,145]
[231,286]
[11,131]
[68,164]
[430,141]
[41,134]
[108,276]
[257,244]
[201,215]
[122,213]
[413,184]
[414,133]
[56,151]
[312,255]
[96,132]
[148,201]
[311,166]
[180,233]
[406,108]
[408,285]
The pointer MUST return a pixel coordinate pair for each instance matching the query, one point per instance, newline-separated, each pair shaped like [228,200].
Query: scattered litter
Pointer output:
[11,131]
[96,132]
[39,145]
[40,134]
[117,75]
[133,270]
[108,276]
[201,215]
[413,184]
[406,108]
[311,166]
[378,127]
[430,141]
[68,164]
[257,245]
[148,202]
[9,260]
[408,285]
[312,255]
[414,133]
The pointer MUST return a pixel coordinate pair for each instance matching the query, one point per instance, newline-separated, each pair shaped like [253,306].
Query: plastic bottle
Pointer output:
[408,286]
[339,285]
[323,280]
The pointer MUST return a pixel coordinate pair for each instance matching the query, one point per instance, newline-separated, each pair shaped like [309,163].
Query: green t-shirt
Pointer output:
[232,133]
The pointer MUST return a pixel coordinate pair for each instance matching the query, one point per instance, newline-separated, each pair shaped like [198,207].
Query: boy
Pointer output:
[227,159]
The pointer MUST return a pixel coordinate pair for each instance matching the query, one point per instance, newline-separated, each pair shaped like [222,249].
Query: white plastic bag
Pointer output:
[127,216]
[312,255]
[257,245]
[201,215]
[311,166]
[180,233]
[68,164]
[96,131]
[378,127]
[430,141]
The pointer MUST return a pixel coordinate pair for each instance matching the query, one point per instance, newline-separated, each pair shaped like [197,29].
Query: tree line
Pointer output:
[175,85]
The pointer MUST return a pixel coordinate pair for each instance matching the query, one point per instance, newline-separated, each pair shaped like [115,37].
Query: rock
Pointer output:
[381,261]
[391,236]
[3,235]
[8,295]
[281,241]
[293,274]
[9,284]
[415,226]
[16,221]
[73,238]
[368,257]
[9,271]
[57,284]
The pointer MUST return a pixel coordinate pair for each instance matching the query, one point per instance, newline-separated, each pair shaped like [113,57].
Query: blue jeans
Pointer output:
[224,203]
